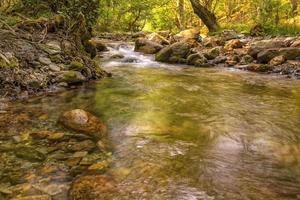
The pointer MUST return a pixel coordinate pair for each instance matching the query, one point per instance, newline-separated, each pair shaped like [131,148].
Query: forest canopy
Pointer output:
[276,16]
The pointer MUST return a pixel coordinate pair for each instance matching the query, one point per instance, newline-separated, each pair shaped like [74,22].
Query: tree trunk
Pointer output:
[181,14]
[294,6]
[207,17]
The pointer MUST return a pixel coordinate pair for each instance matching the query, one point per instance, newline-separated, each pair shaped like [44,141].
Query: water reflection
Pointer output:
[187,133]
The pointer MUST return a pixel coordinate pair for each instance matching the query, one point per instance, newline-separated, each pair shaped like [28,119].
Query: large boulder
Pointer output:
[157,38]
[100,46]
[258,46]
[174,53]
[188,35]
[290,53]
[147,46]
[82,121]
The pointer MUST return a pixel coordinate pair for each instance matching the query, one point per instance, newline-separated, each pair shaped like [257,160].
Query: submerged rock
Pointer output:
[91,187]
[82,121]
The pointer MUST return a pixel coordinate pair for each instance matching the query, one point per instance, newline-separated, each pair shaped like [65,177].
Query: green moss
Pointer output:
[76,65]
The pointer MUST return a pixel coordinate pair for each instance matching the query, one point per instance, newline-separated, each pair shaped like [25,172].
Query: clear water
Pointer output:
[187,133]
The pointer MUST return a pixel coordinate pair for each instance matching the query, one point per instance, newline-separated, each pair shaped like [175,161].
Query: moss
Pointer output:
[76,65]
[70,74]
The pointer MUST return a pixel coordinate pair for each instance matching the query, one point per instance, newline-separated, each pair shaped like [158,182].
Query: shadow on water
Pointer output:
[188,133]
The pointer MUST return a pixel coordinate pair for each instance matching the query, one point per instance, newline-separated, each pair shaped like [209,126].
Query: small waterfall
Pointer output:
[123,53]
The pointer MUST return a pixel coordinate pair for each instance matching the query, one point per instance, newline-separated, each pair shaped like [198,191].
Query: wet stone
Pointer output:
[29,153]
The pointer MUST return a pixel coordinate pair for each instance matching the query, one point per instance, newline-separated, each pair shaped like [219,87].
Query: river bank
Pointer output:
[229,49]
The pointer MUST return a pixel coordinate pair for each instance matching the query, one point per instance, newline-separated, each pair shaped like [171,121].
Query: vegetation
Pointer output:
[276,16]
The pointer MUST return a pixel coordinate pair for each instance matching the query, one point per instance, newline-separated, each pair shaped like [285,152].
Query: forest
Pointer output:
[149,100]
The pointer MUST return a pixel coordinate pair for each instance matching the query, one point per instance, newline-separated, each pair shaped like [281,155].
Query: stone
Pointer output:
[157,38]
[147,46]
[100,46]
[92,187]
[290,53]
[177,50]
[54,68]
[258,46]
[82,121]
[211,54]
[44,60]
[99,165]
[34,197]
[80,154]
[213,41]
[232,60]
[52,47]
[117,56]
[86,145]
[188,35]
[196,58]
[278,60]
[29,153]
[296,43]
[76,65]
[259,68]
[56,136]
[247,59]
[219,59]
[70,77]
[233,44]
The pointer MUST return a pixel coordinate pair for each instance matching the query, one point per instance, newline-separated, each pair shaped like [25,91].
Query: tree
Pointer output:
[207,17]
[181,14]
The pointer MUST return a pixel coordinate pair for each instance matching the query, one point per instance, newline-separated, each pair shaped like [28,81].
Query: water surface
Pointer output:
[181,132]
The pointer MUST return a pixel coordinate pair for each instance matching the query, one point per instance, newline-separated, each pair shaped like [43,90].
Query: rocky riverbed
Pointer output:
[40,156]
[279,55]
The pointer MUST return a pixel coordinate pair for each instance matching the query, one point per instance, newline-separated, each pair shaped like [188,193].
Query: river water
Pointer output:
[186,133]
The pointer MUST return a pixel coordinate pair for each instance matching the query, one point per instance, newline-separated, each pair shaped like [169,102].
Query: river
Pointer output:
[184,133]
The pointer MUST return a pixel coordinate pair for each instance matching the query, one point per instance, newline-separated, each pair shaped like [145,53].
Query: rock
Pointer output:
[52,47]
[76,65]
[80,154]
[188,35]
[257,30]
[219,59]
[54,68]
[212,53]
[232,60]
[86,145]
[233,44]
[56,136]
[290,53]
[213,42]
[259,68]
[296,43]
[44,60]
[258,46]
[70,77]
[147,46]
[29,153]
[99,165]
[278,60]
[247,59]
[92,187]
[82,121]
[173,53]
[196,58]
[34,197]
[117,56]
[131,60]
[100,46]
[228,34]
[157,38]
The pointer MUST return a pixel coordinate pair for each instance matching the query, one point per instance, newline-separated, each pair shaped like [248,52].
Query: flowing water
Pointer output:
[185,133]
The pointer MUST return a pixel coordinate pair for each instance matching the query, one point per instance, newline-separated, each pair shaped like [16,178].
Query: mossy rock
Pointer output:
[76,66]
[70,77]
